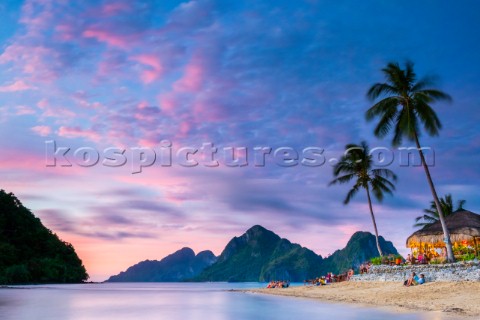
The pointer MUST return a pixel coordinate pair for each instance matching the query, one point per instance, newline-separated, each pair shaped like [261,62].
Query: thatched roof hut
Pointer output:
[464,227]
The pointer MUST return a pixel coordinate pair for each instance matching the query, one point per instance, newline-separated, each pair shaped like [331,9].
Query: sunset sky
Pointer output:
[127,74]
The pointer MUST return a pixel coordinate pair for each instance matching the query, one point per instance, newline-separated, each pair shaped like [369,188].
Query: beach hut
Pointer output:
[464,228]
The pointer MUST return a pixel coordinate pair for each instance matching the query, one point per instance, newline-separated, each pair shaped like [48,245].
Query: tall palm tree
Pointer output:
[403,108]
[356,164]
[431,214]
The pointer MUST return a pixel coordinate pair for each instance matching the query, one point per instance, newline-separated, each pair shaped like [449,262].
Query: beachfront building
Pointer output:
[464,228]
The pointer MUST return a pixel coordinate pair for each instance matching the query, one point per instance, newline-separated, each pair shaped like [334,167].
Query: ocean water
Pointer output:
[144,301]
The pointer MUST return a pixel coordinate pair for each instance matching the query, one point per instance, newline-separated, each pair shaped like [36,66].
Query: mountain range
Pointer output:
[261,255]
[257,255]
[180,265]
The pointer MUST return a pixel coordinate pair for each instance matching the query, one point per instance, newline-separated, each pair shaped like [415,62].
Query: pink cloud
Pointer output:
[65,32]
[18,85]
[28,163]
[42,104]
[142,105]
[149,60]
[108,37]
[208,111]
[55,112]
[38,61]
[167,103]
[77,132]
[42,130]
[114,8]
[192,79]
[155,68]
[185,127]
[24,110]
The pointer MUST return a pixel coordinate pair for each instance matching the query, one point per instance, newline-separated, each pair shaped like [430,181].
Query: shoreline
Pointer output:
[454,300]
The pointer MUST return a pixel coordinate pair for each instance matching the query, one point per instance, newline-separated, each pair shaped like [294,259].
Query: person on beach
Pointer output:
[420,258]
[329,277]
[421,280]
[413,280]
[367,267]
[443,254]
[350,274]
[409,259]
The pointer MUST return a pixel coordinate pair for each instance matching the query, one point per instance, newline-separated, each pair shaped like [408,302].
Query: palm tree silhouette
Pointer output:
[431,214]
[404,107]
[356,164]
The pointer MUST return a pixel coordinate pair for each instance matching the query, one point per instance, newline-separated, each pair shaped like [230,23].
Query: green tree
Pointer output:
[356,164]
[404,107]
[431,214]
[31,253]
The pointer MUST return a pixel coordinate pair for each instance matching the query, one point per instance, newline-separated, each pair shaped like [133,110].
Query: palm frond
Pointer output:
[425,82]
[413,96]
[380,89]
[351,194]
[431,214]
[409,75]
[343,179]
[435,95]
[460,204]
[428,117]
[398,132]
[386,173]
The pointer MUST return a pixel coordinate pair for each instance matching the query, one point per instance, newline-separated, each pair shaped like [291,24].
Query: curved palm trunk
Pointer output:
[446,233]
[373,220]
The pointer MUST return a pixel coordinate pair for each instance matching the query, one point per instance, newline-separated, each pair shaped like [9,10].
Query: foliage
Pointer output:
[31,253]
[431,214]
[405,104]
[462,249]
[356,164]
[468,257]
[436,261]
[360,248]
[376,261]
[261,255]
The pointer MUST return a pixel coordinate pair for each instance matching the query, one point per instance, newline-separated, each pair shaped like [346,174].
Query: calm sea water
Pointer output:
[143,301]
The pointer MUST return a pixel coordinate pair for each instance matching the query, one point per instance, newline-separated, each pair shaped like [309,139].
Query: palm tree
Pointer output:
[431,214]
[404,107]
[356,164]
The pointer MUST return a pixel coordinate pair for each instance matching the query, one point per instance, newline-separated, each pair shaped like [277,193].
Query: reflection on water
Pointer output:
[203,301]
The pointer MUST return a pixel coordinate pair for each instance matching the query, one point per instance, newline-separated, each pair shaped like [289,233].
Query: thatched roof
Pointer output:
[462,224]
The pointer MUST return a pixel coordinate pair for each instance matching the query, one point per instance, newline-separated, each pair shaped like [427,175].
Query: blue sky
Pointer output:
[260,73]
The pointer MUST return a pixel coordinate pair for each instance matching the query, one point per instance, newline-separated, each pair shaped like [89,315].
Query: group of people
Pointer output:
[420,259]
[278,284]
[414,280]
[321,281]
[329,278]
[439,254]
[365,267]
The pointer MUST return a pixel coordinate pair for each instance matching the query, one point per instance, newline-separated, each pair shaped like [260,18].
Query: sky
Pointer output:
[173,76]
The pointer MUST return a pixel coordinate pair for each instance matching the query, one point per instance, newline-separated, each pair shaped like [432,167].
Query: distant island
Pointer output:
[180,265]
[257,255]
[31,253]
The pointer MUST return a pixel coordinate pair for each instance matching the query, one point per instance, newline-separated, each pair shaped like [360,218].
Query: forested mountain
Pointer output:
[31,253]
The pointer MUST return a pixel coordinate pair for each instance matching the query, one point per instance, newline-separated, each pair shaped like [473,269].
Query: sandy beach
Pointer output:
[456,299]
